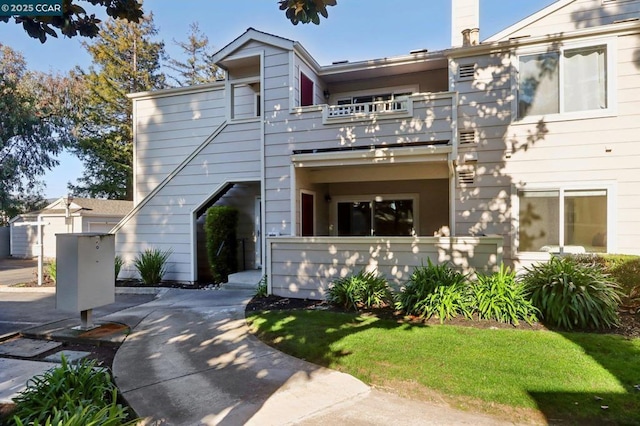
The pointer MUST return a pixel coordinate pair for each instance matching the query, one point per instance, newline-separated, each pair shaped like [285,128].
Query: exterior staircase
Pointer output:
[244,280]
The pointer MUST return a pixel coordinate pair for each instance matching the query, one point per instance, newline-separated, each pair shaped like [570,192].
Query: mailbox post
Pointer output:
[85,275]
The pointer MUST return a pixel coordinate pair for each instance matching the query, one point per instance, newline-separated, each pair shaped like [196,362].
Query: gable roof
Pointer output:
[88,207]
[504,34]
[251,34]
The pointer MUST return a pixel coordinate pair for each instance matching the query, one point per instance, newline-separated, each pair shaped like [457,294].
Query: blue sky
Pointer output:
[356,30]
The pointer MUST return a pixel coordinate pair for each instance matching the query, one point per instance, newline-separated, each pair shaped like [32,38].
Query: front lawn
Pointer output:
[572,378]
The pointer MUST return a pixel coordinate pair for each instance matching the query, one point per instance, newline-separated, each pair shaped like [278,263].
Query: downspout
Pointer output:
[264,258]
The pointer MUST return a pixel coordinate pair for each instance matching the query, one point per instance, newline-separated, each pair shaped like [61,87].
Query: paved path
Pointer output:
[192,361]
[16,271]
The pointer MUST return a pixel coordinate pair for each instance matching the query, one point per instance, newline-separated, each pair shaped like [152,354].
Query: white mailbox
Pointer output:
[85,271]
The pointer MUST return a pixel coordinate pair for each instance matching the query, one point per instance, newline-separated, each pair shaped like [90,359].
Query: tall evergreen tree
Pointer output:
[198,66]
[125,60]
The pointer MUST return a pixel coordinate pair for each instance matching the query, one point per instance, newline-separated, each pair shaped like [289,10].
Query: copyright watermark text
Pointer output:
[31,8]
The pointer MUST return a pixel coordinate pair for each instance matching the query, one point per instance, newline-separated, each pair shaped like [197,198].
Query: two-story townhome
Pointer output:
[505,150]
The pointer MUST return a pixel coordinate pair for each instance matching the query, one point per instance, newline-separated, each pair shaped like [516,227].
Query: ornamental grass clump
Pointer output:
[365,289]
[118,263]
[435,290]
[71,394]
[570,294]
[51,270]
[152,265]
[501,297]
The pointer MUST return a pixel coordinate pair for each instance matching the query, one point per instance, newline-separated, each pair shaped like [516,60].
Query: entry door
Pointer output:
[257,223]
[307,213]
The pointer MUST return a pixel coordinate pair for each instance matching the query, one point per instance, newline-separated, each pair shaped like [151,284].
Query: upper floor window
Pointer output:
[569,80]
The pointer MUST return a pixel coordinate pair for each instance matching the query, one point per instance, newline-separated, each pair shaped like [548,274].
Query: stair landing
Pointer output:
[244,280]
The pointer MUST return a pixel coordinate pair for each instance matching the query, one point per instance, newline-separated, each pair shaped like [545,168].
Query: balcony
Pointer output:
[419,119]
[393,108]
[394,105]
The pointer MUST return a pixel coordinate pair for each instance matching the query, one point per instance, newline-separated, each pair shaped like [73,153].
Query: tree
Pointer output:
[12,205]
[125,60]
[75,20]
[198,66]
[33,124]
[306,11]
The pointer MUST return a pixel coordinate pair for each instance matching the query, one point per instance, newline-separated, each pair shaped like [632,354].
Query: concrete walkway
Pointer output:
[192,361]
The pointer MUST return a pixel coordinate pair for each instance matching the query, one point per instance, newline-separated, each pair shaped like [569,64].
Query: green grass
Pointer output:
[560,375]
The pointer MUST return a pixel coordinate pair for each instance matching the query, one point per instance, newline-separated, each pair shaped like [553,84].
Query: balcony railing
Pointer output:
[395,105]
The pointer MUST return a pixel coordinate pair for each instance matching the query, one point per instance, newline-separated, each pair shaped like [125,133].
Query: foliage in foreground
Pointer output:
[306,11]
[152,265]
[71,394]
[499,296]
[570,294]
[75,20]
[366,289]
[435,290]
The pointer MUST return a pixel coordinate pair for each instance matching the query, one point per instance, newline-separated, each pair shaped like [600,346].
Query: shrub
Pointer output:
[220,228]
[624,270]
[571,294]
[627,275]
[71,394]
[435,290]
[51,271]
[499,296]
[262,290]
[118,262]
[365,289]
[152,265]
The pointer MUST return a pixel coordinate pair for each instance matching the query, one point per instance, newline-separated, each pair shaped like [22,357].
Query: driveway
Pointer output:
[16,271]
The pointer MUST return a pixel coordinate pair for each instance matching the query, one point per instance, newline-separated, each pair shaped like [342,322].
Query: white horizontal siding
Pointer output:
[168,129]
[165,221]
[285,133]
[549,152]
[24,240]
[580,14]
[304,267]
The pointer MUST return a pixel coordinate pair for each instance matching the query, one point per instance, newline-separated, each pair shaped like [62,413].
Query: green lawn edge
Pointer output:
[568,377]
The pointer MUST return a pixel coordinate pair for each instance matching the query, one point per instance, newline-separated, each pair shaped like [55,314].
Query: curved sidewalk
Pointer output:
[192,361]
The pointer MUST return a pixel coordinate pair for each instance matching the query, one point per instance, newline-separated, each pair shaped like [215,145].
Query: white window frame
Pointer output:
[415,198]
[612,231]
[231,99]
[612,73]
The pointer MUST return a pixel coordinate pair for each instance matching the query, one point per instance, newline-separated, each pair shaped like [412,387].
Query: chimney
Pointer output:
[465,22]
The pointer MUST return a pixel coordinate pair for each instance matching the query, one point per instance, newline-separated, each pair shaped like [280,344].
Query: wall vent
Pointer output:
[466,175]
[467,137]
[466,71]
